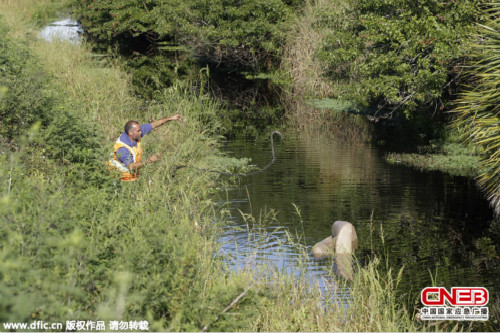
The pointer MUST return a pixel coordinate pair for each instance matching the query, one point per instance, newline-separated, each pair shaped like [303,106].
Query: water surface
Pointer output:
[431,223]
[67,30]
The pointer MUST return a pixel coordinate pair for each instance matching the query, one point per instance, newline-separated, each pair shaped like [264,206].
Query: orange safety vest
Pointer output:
[114,163]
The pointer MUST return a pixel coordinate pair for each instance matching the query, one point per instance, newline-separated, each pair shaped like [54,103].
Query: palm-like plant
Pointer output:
[478,107]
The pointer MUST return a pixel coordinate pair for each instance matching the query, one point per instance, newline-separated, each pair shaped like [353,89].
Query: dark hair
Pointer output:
[129,125]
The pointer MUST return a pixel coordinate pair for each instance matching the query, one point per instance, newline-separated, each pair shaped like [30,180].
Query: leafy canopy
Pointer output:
[399,55]
[477,110]
[236,32]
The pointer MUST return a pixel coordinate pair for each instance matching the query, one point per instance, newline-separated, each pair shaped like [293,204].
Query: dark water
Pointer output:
[432,223]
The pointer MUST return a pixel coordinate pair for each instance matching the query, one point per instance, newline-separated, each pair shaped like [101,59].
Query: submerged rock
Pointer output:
[325,248]
[341,244]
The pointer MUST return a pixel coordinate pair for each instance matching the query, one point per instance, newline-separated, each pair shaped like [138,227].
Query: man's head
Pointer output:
[133,130]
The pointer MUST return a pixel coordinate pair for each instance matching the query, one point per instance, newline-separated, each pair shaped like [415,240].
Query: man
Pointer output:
[127,151]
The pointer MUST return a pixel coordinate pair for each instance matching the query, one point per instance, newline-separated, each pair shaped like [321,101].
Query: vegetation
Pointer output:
[394,59]
[26,99]
[161,42]
[399,58]
[477,108]
[396,63]
[71,247]
[399,55]
[451,158]
[77,244]
[245,35]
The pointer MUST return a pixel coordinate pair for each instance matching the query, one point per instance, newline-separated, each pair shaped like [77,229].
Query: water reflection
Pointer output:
[64,30]
[429,222]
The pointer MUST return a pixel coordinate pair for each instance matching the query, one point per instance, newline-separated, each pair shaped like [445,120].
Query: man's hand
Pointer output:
[138,165]
[175,117]
[154,158]
[160,122]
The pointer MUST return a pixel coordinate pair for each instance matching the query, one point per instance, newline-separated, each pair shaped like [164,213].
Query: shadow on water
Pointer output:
[249,106]
[429,222]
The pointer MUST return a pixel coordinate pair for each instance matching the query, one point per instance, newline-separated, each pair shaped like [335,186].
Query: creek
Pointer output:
[66,29]
[431,223]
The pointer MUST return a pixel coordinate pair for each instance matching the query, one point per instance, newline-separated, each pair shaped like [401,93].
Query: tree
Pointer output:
[399,55]
[477,110]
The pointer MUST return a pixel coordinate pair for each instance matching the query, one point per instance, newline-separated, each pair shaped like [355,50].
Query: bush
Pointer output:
[26,97]
[477,108]
[399,55]
[237,34]
[37,118]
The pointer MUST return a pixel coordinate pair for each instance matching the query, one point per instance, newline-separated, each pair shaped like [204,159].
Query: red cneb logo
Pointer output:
[459,296]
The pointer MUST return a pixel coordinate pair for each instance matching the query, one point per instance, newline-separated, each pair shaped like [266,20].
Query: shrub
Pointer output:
[37,117]
[477,111]
[402,56]
[26,97]
[236,34]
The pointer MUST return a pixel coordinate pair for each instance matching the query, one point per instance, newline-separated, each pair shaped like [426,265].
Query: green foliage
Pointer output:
[150,74]
[73,244]
[448,156]
[161,38]
[487,247]
[101,251]
[456,165]
[70,139]
[38,119]
[249,30]
[163,42]
[26,98]
[477,108]
[3,91]
[243,32]
[44,13]
[399,55]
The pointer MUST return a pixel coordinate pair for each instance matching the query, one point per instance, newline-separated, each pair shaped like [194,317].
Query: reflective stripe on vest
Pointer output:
[115,164]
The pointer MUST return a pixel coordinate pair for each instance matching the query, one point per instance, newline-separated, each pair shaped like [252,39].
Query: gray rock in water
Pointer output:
[346,237]
[341,244]
[325,248]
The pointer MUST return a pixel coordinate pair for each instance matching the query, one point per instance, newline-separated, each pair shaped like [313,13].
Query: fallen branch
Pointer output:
[233,303]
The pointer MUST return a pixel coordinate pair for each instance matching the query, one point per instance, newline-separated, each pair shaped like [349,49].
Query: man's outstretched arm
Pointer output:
[160,122]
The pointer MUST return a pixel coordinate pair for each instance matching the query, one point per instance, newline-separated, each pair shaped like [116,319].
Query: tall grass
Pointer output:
[307,73]
[299,59]
[371,305]
[96,86]
[297,300]
[24,17]
[139,251]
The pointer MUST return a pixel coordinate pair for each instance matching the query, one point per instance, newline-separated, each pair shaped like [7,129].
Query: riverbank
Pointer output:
[83,247]
[451,158]
[77,246]
[331,61]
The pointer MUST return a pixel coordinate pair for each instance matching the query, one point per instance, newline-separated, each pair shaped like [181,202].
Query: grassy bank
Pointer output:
[450,158]
[77,246]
